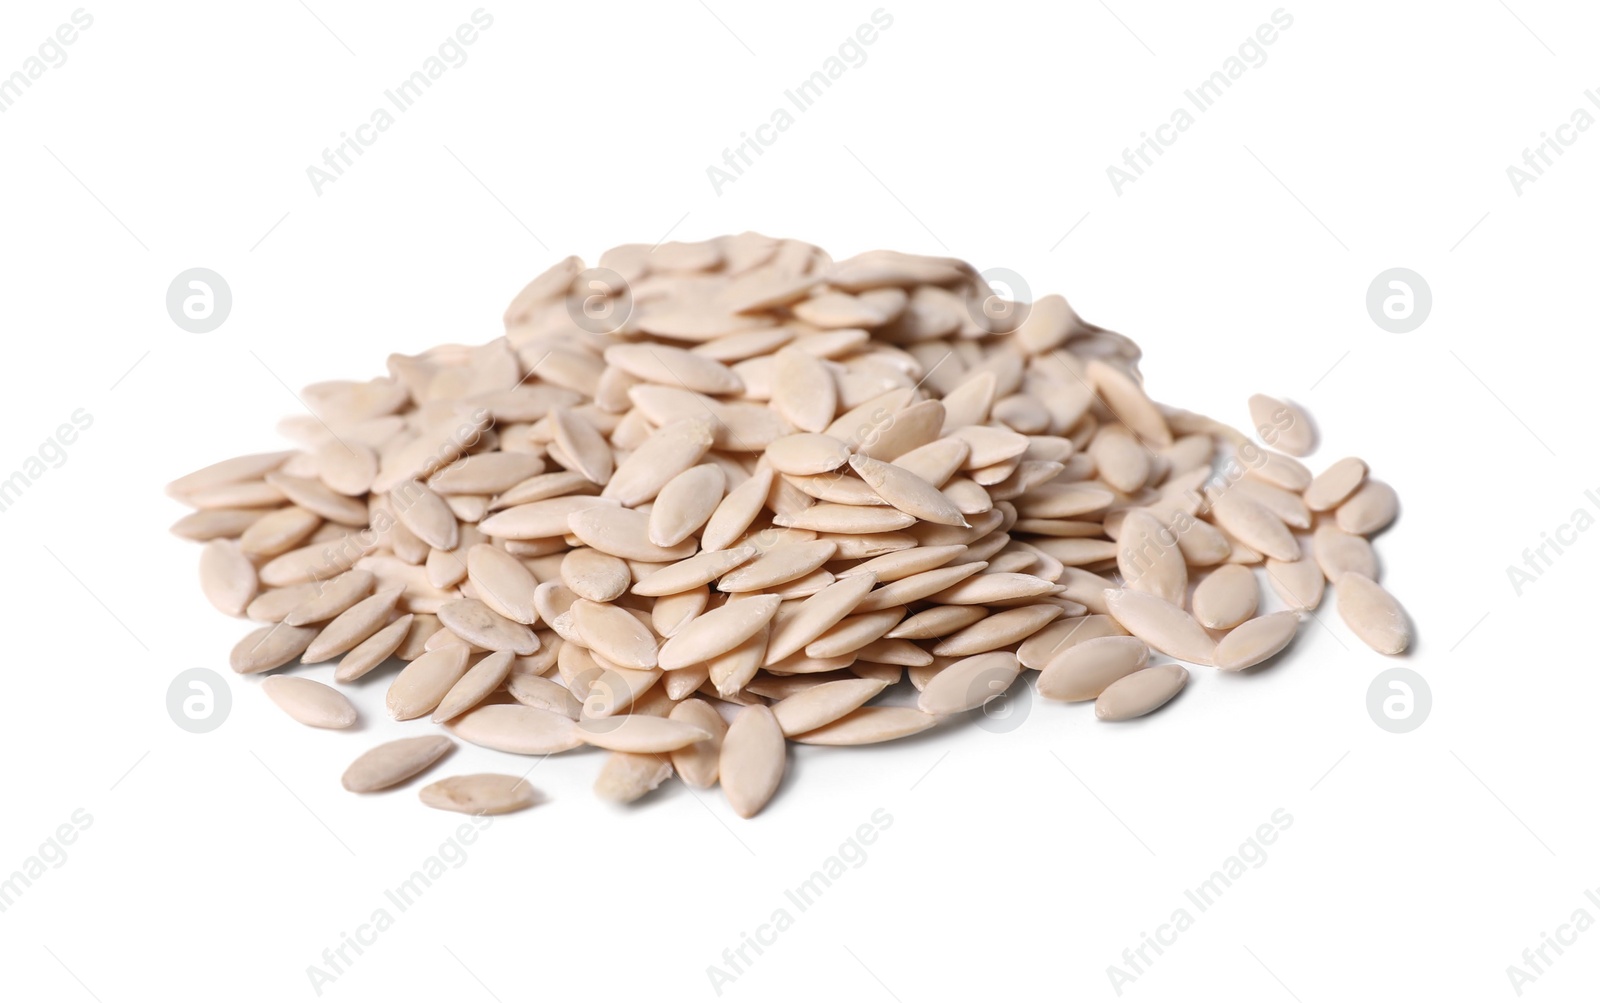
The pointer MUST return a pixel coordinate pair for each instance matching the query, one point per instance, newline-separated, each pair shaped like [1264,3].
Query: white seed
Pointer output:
[1141,692]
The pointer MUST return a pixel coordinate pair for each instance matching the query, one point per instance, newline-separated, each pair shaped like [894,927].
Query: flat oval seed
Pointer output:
[1084,670]
[615,634]
[783,563]
[474,687]
[701,569]
[595,576]
[1337,552]
[870,725]
[503,583]
[1257,640]
[1255,526]
[1001,630]
[907,492]
[1369,510]
[626,777]
[369,654]
[480,794]
[310,702]
[751,764]
[1279,423]
[823,703]
[624,533]
[514,728]
[269,647]
[643,733]
[697,764]
[1163,626]
[423,683]
[717,631]
[1298,584]
[1227,597]
[807,453]
[227,578]
[1141,692]
[334,598]
[393,762]
[476,623]
[1372,613]
[685,503]
[1335,484]
[969,683]
[353,626]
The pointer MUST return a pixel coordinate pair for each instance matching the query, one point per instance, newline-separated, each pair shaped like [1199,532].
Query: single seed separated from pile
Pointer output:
[737,512]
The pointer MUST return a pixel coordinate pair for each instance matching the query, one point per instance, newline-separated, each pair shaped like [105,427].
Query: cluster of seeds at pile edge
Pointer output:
[720,496]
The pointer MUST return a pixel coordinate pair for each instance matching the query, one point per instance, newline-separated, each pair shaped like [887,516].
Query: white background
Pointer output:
[1017,865]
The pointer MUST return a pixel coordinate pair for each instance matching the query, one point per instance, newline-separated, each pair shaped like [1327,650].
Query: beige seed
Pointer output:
[615,634]
[938,621]
[1337,552]
[669,451]
[624,533]
[227,578]
[319,498]
[424,682]
[1331,487]
[780,564]
[538,520]
[502,583]
[334,598]
[1038,651]
[814,615]
[671,366]
[737,510]
[424,513]
[701,569]
[1228,597]
[807,453]
[1162,625]
[969,683]
[751,764]
[231,471]
[582,444]
[474,687]
[697,764]
[1281,424]
[642,733]
[269,647]
[1000,630]
[870,725]
[685,503]
[1082,671]
[595,576]
[626,777]
[394,762]
[476,623]
[1371,508]
[219,523]
[718,631]
[1298,584]
[277,532]
[480,794]
[518,729]
[803,391]
[1126,399]
[1149,559]
[907,492]
[310,702]
[1255,526]
[353,626]
[815,706]
[1141,692]
[904,431]
[1372,613]
[369,654]
[536,691]
[1255,641]
[993,588]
